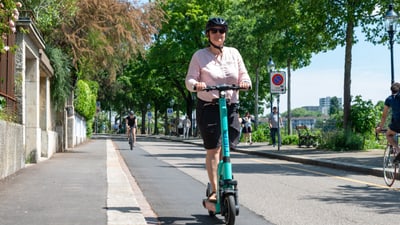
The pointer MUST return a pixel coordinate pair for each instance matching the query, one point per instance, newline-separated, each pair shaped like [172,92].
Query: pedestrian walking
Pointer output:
[247,128]
[187,124]
[274,124]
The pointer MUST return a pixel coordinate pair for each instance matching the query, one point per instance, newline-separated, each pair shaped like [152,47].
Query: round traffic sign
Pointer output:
[277,79]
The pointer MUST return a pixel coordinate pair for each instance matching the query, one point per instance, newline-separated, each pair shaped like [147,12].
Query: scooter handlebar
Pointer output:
[222,87]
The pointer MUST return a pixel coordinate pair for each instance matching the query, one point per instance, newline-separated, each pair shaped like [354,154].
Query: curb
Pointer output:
[318,162]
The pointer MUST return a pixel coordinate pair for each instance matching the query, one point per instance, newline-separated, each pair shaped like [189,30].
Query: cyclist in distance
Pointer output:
[392,102]
[210,66]
[131,123]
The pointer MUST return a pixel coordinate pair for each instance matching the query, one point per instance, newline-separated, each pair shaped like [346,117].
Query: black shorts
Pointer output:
[246,130]
[395,126]
[208,121]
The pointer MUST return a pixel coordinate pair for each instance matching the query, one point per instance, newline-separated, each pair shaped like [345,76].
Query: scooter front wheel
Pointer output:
[230,209]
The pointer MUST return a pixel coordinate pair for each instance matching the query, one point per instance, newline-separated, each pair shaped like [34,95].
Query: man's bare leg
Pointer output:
[390,137]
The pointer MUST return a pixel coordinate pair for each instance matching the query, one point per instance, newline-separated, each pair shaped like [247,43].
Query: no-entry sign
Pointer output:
[278,82]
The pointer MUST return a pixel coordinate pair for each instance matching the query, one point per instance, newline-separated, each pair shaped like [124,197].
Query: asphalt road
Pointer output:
[173,179]
[174,195]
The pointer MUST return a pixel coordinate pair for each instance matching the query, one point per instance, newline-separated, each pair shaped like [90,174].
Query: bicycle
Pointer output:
[390,169]
[227,203]
[131,140]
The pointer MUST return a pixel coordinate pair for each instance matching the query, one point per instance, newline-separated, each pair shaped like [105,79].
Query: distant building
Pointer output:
[311,108]
[304,121]
[325,104]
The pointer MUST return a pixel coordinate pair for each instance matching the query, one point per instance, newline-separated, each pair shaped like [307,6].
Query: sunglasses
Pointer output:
[220,30]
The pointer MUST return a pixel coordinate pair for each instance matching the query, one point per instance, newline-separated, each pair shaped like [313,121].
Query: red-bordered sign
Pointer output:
[277,79]
[278,82]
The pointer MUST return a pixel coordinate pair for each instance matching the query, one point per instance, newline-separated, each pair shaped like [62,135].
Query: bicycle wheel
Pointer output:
[230,209]
[131,140]
[390,169]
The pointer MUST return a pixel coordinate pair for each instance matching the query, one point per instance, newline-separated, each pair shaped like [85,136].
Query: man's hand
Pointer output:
[378,129]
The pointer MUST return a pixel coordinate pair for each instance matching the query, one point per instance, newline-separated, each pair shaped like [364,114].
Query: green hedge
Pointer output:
[85,102]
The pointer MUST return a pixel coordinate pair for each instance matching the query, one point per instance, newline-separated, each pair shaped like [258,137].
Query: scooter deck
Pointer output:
[210,206]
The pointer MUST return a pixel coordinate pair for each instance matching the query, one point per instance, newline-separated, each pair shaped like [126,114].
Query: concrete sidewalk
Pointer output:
[89,185]
[368,162]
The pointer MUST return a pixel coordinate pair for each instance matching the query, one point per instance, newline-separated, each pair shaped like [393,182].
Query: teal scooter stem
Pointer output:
[227,193]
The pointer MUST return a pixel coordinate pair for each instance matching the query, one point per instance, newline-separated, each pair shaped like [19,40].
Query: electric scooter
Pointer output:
[227,203]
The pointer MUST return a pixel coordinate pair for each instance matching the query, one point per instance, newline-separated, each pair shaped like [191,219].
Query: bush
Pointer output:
[261,134]
[290,139]
[341,141]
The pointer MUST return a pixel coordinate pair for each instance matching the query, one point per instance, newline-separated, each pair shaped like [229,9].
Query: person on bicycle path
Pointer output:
[274,124]
[131,123]
[392,102]
[210,66]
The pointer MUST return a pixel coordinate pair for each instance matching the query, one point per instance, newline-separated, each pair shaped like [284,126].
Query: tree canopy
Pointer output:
[148,47]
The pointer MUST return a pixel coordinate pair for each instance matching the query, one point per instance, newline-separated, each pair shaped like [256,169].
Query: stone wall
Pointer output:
[50,143]
[12,149]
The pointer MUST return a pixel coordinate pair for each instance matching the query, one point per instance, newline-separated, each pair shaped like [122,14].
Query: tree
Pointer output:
[181,35]
[107,33]
[245,19]
[302,112]
[343,18]
[334,106]
[298,30]
[363,117]
[99,35]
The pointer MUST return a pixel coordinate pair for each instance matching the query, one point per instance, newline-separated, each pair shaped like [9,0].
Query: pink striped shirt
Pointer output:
[206,67]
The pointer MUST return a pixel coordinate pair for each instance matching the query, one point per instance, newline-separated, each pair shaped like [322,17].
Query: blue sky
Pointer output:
[324,76]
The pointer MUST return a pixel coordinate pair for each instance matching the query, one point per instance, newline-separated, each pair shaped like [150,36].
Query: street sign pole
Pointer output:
[279,124]
[278,86]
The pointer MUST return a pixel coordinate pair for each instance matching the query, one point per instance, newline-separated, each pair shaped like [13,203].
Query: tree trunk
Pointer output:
[256,98]
[143,128]
[289,89]
[156,120]
[347,76]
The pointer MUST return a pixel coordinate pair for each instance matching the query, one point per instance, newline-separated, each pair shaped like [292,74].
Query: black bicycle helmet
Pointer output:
[216,21]
[213,22]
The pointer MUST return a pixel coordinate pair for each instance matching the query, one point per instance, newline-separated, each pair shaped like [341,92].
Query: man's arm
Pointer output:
[383,119]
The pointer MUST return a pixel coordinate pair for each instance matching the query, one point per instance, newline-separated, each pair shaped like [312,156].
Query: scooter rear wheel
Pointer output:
[230,209]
